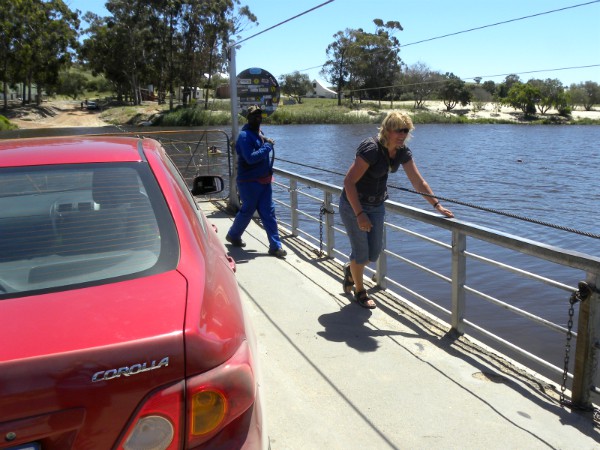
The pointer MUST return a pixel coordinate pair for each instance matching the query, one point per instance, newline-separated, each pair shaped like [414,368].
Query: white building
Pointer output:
[320,91]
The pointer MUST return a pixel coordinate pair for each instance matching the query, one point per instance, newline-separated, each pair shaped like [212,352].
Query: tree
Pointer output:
[37,38]
[503,88]
[421,81]
[11,31]
[54,39]
[377,63]
[71,83]
[295,85]
[97,53]
[552,94]
[364,62]
[489,86]
[586,94]
[523,96]
[336,69]
[219,24]
[454,91]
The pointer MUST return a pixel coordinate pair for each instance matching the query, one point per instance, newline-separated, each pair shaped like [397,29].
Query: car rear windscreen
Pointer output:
[63,226]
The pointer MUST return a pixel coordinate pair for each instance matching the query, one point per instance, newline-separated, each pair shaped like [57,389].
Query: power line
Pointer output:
[472,78]
[285,21]
[535,71]
[501,23]
[493,25]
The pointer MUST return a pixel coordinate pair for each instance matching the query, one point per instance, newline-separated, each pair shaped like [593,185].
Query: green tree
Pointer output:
[454,91]
[503,88]
[53,44]
[420,81]
[376,62]
[489,86]
[586,94]
[340,52]
[295,85]
[100,52]
[39,44]
[11,30]
[71,83]
[220,23]
[552,94]
[523,96]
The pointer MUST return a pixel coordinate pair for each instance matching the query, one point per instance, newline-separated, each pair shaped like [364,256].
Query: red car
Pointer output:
[121,323]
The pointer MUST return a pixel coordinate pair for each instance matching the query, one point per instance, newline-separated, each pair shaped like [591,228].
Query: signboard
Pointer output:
[257,87]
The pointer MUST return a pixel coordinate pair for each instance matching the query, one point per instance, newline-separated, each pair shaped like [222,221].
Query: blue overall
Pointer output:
[254,176]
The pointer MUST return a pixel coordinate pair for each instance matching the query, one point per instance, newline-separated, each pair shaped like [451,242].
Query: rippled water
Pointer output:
[545,173]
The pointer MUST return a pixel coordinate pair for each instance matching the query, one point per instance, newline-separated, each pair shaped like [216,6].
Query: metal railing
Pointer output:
[302,195]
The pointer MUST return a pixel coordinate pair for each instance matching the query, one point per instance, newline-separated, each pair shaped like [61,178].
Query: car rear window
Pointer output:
[65,226]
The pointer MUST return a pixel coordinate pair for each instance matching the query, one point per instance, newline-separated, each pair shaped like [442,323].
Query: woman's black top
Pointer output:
[372,187]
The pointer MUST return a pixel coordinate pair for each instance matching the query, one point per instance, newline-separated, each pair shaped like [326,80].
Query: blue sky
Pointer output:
[534,47]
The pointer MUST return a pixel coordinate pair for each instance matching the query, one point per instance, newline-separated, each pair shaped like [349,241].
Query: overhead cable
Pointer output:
[500,23]
[285,21]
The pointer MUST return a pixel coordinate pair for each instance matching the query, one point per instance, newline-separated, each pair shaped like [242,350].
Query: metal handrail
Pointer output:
[584,368]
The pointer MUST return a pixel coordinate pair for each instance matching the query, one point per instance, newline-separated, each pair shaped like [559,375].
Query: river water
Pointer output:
[545,173]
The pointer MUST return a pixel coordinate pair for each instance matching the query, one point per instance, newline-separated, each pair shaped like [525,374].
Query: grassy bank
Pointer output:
[327,111]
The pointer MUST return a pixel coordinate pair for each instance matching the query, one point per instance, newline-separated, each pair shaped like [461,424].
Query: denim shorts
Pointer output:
[366,246]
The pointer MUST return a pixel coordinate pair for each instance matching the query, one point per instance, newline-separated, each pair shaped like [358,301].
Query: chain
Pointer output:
[322,212]
[594,370]
[580,295]
[574,299]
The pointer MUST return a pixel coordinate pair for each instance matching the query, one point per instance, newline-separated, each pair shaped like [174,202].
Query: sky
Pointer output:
[435,33]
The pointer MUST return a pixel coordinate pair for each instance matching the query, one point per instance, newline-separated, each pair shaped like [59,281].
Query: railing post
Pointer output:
[459,275]
[294,206]
[585,368]
[330,235]
[381,265]
[234,201]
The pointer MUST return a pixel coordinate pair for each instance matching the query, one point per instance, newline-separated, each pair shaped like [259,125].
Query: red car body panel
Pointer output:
[77,364]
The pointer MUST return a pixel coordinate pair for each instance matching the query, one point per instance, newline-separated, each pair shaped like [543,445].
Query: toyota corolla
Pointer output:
[121,322]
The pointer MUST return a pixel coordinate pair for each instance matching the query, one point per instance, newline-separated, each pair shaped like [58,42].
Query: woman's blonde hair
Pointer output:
[392,121]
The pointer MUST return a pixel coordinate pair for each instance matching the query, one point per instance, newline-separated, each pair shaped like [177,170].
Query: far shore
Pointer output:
[69,113]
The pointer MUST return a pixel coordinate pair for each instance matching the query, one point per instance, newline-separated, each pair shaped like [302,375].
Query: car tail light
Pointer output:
[157,425]
[214,400]
[220,396]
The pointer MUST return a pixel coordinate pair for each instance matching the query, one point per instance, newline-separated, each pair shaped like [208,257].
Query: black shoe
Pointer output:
[235,242]
[280,253]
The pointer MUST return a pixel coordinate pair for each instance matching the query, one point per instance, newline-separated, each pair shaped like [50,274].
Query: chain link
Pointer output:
[574,299]
[322,212]
[578,296]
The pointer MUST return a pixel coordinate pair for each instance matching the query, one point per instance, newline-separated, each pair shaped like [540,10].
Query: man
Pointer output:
[254,176]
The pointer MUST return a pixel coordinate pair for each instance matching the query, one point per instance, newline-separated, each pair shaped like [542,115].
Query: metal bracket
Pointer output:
[585,291]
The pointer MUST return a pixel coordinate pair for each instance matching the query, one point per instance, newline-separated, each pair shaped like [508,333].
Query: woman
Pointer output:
[365,189]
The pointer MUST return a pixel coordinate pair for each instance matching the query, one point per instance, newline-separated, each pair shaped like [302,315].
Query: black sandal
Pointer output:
[363,300]
[348,281]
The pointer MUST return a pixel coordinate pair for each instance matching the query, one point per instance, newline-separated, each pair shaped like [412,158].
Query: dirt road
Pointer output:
[60,114]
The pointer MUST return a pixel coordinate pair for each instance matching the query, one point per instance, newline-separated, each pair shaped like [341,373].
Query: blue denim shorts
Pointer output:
[366,246]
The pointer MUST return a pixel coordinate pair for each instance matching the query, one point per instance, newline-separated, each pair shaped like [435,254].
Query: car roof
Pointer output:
[72,149]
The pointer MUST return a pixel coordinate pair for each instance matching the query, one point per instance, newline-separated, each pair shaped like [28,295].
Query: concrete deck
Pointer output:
[338,376]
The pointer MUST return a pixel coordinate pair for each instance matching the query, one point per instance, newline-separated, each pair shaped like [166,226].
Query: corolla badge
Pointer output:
[127,371]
